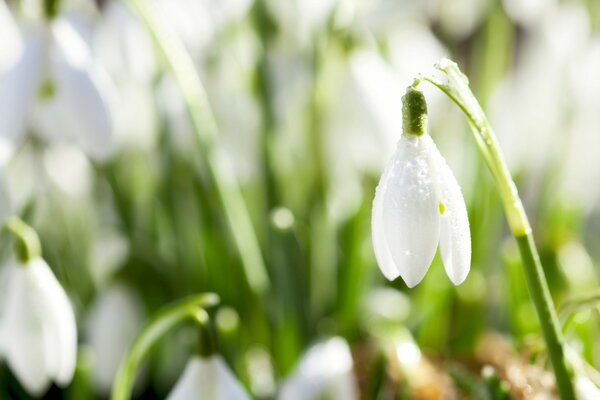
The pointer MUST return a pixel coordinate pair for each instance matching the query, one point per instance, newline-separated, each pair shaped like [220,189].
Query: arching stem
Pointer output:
[192,308]
[458,90]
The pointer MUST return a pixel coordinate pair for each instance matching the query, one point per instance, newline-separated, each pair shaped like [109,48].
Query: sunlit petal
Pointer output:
[12,43]
[411,222]
[18,88]
[82,90]
[24,346]
[113,323]
[208,378]
[57,315]
[455,236]
[324,371]
[380,245]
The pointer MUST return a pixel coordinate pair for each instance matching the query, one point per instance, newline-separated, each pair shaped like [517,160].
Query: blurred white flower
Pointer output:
[325,371]
[527,12]
[585,389]
[196,22]
[208,378]
[363,94]
[12,45]
[300,19]
[113,323]
[418,204]
[413,50]
[38,325]
[55,88]
[69,169]
[539,78]
[229,79]
[581,164]
[123,45]
[459,18]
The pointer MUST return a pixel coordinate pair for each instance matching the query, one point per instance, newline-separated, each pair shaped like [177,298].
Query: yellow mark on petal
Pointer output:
[442,208]
[47,90]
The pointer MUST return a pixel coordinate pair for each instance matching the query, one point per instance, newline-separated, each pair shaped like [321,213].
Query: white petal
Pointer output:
[12,43]
[585,388]
[408,211]
[113,323]
[324,371]
[59,322]
[18,87]
[229,386]
[455,235]
[24,346]
[380,245]
[207,378]
[82,89]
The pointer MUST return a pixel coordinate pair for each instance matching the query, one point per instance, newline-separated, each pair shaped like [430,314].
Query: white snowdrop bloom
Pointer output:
[123,45]
[301,18]
[112,325]
[69,169]
[325,371]
[361,93]
[413,48]
[55,88]
[208,379]
[527,12]
[581,170]
[418,204]
[459,18]
[38,325]
[586,389]
[545,56]
[12,45]
[197,22]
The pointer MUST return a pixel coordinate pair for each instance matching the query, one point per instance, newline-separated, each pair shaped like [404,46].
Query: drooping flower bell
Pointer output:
[208,378]
[53,85]
[37,324]
[418,204]
[324,371]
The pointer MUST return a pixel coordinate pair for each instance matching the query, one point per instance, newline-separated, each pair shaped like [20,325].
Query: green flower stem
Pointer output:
[28,244]
[205,128]
[168,318]
[458,90]
[51,8]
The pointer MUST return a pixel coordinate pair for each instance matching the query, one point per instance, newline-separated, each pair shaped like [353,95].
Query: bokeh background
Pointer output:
[307,100]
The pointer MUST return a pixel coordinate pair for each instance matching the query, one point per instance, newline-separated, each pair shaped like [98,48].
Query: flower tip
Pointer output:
[458,279]
[412,281]
[390,274]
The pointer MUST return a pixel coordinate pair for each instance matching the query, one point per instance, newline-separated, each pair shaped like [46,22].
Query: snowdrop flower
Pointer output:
[11,40]
[54,87]
[208,378]
[301,18]
[124,47]
[585,388]
[460,18]
[418,204]
[38,327]
[112,325]
[325,371]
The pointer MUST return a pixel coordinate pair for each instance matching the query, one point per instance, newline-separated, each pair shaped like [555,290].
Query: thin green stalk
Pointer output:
[205,127]
[28,244]
[458,90]
[166,319]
